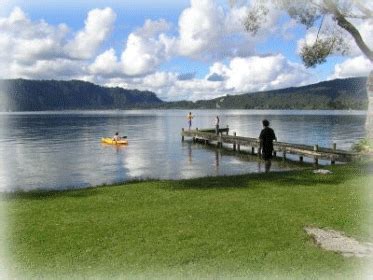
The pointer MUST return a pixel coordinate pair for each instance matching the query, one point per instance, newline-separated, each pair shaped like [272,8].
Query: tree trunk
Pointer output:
[369,121]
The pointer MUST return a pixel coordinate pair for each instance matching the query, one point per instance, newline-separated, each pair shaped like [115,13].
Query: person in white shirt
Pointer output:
[116,137]
[190,117]
[217,122]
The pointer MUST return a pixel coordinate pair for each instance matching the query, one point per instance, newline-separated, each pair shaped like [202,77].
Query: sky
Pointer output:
[181,50]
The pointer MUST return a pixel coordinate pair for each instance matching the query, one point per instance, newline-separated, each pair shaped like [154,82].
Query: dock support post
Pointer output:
[334,149]
[316,148]
[227,129]
[314,151]
[234,142]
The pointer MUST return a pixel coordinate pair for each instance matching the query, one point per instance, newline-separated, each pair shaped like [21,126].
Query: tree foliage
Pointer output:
[255,18]
[311,13]
[336,94]
[34,95]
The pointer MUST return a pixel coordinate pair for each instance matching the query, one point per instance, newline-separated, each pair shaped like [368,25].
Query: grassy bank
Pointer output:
[243,226]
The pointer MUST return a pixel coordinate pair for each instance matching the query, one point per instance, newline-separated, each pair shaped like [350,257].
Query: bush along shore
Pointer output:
[249,226]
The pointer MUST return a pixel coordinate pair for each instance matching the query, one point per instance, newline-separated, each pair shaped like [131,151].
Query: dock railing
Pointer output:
[222,137]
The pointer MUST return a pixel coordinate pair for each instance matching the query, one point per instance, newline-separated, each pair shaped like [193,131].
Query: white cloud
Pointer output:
[208,32]
[168,87]
[200,25]
[17,15]
[27,46]
[205,31]
[146,48]
[25,41]
[239,75]
[6,47]
[198,89]
[260,73]
[61,69]
[352,67]
[159,80]
[152,28]
[106,64]
[31,50]
[98,26]
[366,31]
[142,55]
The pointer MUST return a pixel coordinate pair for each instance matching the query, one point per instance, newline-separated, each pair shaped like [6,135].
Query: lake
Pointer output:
[61,150]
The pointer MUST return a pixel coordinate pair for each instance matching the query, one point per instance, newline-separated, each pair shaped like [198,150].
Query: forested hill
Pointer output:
[336,94]
[35,95]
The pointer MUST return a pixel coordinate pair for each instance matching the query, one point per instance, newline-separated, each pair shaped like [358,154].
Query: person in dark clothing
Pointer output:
[267,135]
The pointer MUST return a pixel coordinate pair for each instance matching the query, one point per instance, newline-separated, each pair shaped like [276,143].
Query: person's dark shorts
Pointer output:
[267,155]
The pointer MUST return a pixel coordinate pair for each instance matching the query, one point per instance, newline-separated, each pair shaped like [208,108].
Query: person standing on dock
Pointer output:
[190,117]
[217,122]
[267,135]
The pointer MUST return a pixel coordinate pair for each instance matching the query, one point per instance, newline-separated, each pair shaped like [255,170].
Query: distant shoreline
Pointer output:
[51,95]
[362,111]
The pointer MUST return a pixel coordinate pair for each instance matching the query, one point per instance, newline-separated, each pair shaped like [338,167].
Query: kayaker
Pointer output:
[117,137]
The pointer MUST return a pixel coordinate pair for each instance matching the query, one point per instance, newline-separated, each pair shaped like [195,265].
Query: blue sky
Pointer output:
[171,47]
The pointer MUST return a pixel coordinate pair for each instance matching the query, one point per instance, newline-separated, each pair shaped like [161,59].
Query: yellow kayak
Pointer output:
[113,142]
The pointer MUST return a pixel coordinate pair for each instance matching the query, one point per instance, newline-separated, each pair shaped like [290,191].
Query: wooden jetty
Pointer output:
[281,149]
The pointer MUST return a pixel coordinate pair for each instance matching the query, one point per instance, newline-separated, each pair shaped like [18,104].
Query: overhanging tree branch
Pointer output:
[350,28]
[345,24]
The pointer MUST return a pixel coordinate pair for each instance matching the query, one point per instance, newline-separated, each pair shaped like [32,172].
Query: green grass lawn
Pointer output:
[246,226]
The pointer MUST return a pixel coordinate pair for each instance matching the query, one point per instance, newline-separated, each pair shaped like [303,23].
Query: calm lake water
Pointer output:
[59,150]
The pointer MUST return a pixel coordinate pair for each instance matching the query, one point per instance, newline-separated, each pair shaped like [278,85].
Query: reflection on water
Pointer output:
[50,150]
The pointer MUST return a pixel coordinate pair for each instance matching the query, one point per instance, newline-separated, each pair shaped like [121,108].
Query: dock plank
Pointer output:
[288,148]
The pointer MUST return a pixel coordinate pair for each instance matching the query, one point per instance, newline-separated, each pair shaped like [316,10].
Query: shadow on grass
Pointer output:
[51,194]
[281,179]
[74,193]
